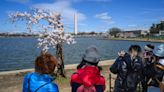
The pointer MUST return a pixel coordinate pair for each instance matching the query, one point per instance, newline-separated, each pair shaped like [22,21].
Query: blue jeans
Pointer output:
[153,89]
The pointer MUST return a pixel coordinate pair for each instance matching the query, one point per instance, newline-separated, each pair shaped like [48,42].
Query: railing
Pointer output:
[110,82]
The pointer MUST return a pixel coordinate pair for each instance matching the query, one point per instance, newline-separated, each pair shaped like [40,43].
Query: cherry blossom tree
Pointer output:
[52,34]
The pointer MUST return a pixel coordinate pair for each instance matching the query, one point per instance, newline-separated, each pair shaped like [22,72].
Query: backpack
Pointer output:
[82,88]
[87,79]
[133,77]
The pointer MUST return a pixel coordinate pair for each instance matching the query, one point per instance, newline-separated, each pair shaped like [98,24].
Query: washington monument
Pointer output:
[75,24]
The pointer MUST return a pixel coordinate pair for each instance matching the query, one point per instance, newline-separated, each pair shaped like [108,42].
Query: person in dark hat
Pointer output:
[87,78]
[157,73]
[91,57]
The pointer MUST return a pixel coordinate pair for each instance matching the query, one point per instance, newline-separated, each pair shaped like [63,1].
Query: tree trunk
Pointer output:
[60,57]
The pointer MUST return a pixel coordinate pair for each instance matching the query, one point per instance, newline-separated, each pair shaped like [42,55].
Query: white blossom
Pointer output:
[53,32]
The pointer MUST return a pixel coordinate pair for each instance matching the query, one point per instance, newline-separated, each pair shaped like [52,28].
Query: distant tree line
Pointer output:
[113,31]
[89,33]
[17,35]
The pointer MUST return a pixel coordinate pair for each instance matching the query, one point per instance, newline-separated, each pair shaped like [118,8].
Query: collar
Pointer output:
[45,77]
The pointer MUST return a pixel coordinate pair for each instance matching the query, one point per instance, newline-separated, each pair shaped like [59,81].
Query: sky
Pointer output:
[93,15]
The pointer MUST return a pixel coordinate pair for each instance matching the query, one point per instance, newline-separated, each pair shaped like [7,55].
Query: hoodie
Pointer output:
[37,81]
[88,76]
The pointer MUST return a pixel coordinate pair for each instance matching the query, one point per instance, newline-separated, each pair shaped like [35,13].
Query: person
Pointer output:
[148,52]
[41,80]
[157,73]
[148,64]
[87,78]
[128,67]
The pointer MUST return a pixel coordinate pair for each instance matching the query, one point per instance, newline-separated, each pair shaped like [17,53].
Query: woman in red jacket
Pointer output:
[87,78]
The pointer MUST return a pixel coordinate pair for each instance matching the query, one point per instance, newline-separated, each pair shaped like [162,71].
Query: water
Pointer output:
[20,53]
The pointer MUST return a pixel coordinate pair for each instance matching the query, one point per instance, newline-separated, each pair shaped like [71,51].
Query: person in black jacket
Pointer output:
[128,67]
[148,65]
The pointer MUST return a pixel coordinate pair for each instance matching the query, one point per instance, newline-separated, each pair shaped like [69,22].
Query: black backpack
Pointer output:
[134,74]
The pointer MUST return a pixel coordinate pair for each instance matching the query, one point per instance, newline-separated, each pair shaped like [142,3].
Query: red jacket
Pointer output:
[88,76]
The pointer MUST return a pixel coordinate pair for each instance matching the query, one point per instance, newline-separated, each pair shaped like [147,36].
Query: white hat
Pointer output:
[149,47]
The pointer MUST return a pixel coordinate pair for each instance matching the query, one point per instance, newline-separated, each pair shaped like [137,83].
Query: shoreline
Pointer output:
[67,67]
[138,40]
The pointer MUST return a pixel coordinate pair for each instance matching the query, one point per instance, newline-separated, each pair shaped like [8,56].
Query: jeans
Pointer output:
[153,89]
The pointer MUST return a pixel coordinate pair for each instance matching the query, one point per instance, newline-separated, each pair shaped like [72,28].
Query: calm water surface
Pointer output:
[20,53]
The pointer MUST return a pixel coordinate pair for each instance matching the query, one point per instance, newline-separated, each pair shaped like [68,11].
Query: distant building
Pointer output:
[105,35]
[145,32]
[161,32]
[129,34]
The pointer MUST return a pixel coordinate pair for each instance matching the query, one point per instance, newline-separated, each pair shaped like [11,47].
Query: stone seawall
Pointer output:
[69,66]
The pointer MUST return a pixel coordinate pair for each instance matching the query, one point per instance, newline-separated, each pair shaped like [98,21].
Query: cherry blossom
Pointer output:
[52,33]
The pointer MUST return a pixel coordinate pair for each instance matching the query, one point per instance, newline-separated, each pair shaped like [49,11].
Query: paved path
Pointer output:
[70,66]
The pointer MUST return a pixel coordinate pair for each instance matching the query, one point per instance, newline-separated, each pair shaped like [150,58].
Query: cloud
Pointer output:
[100,0]
[86,0]
[162,18]
[132,25]
[64,8]
[104,17]
[19,1]
[151,10]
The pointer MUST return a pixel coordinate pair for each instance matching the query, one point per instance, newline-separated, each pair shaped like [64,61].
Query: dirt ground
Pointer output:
[13,82]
